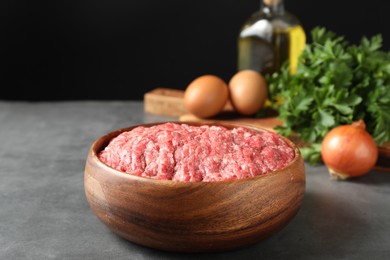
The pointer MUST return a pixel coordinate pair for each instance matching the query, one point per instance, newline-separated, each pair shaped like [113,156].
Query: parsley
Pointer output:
[336,83]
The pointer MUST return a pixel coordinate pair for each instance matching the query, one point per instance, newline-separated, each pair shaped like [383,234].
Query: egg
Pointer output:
[206,96]
[248,92]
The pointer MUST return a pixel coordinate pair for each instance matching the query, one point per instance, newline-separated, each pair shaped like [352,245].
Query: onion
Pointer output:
[349,151]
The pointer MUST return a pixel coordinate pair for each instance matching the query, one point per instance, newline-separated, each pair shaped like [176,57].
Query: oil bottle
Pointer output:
[270,37]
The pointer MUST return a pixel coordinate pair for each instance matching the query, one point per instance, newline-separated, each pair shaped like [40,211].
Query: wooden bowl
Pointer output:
[193,216]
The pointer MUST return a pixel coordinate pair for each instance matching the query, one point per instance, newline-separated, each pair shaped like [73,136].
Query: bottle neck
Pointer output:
[272,6]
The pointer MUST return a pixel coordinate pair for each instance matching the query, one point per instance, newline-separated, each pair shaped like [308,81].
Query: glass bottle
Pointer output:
[269,37]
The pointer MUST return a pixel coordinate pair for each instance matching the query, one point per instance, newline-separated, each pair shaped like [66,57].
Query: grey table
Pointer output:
[44,213]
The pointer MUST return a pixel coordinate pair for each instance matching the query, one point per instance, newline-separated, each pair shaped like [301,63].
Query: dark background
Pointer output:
[120,49]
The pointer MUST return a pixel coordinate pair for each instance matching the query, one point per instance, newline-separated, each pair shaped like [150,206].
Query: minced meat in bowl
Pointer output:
[196,153]
[194,186]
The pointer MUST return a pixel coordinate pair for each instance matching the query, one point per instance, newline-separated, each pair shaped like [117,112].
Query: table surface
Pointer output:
[44,213]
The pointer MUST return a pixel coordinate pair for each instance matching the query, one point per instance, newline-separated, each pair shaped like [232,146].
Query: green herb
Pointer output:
[336,83]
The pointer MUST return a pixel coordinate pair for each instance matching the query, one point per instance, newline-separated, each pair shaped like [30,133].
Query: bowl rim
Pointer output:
[102,141]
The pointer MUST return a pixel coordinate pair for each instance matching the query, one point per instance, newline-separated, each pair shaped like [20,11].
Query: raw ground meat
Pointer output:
[182,152]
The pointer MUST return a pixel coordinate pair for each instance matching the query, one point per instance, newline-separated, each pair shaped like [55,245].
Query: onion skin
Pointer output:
[349,151]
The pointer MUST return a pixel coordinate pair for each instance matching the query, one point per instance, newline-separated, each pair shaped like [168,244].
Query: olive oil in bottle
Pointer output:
[270,37]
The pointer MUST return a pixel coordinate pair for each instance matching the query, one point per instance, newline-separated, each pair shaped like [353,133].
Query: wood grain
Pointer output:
[193,217]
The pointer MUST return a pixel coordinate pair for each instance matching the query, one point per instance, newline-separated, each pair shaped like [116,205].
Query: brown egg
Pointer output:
[248,92]
[206,96]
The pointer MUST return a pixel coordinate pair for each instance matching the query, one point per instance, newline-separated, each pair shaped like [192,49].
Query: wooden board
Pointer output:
[268,122]
[168,102]
[165,102]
